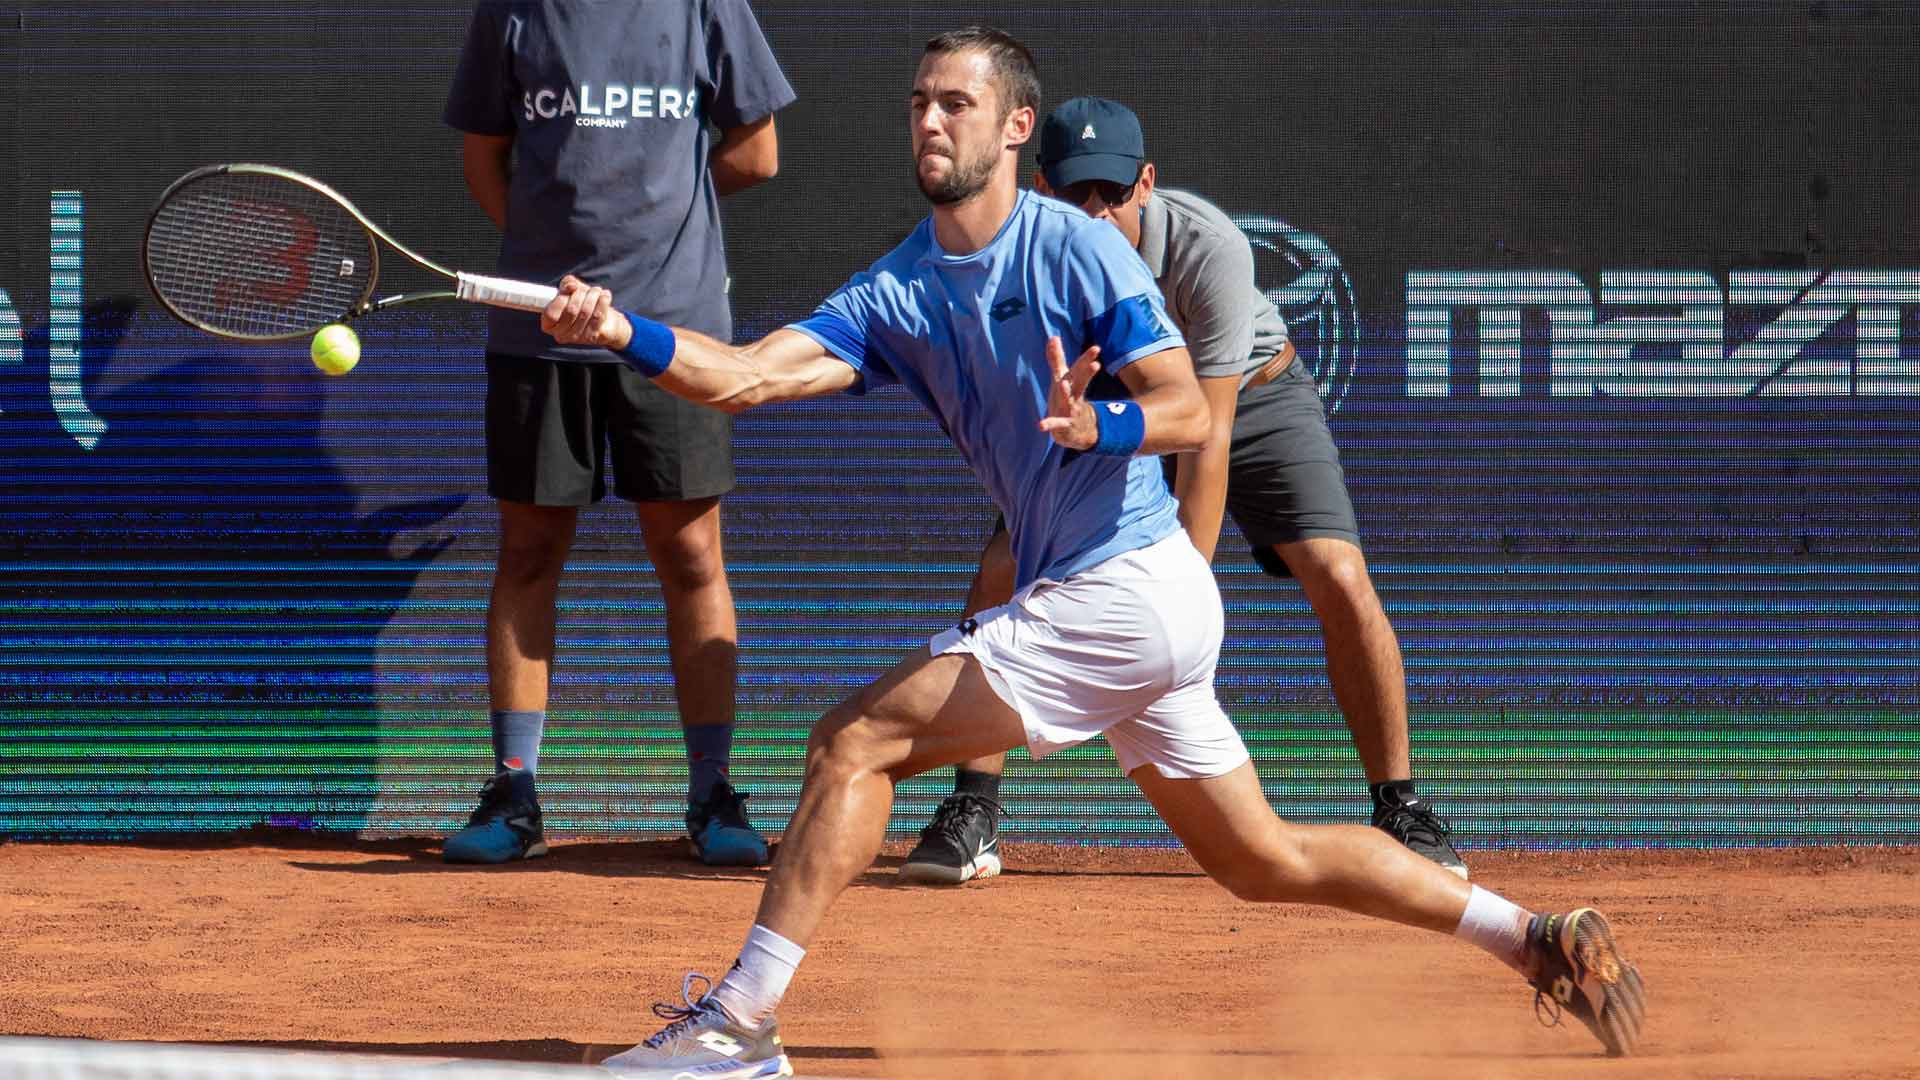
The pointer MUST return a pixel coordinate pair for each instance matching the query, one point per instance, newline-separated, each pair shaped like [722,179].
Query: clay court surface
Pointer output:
[1081,962]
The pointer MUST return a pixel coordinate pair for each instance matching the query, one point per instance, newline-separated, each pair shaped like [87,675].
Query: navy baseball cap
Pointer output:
[1091,138]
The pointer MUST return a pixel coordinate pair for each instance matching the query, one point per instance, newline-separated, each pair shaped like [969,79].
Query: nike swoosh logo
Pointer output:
[986,846]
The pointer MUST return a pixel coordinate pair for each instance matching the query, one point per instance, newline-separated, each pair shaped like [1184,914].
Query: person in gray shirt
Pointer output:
[1271,462]
[588,139]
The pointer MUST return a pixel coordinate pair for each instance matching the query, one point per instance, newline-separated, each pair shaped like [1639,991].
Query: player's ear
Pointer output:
[1018,126]
[1144,191]
[1040,181]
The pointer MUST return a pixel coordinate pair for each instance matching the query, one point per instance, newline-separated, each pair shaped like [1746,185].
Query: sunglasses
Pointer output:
[1109,193]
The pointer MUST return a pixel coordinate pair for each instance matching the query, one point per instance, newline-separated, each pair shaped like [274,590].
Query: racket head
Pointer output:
[257,253]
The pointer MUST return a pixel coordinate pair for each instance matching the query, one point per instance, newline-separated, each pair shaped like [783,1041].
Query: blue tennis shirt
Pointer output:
[967,335]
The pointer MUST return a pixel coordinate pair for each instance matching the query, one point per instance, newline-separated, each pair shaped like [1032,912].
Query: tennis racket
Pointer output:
[261,253]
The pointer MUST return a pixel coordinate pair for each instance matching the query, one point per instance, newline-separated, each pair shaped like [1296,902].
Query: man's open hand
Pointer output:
[1069,418]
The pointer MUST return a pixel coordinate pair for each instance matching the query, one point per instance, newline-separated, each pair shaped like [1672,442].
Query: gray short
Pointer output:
[554,425]
[1284,481]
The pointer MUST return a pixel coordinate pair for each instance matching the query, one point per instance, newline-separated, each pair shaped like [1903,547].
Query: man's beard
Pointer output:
[962,182]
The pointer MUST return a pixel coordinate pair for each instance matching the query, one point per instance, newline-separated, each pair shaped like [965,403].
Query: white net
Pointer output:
[82,1059]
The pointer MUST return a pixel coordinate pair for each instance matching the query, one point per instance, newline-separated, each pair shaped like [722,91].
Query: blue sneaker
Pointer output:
[720,832]
[505,827]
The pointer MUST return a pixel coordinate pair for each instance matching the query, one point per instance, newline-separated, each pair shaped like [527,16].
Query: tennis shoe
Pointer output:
[1579,969]
[960,844]
[721,834]
[702,1042]
[1422,831]
[505,827]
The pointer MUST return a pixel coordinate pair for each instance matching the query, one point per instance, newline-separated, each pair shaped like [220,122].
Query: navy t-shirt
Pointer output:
[610,103]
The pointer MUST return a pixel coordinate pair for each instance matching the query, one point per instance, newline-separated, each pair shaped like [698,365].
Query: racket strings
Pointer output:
[257,255]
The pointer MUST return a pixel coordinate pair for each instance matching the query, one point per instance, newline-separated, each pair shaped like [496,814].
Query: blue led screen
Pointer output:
[1617,314]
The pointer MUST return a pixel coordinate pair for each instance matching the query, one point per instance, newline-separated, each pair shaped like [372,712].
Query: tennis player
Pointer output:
[1115,622]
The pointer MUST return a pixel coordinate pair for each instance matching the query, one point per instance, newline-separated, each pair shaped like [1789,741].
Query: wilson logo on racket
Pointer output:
[303,239]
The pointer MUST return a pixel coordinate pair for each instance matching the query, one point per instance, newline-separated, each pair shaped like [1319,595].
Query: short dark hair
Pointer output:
[1015,75]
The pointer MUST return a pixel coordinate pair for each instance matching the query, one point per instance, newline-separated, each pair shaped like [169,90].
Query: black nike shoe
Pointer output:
[960,844]
[1422,831]
[1579,970]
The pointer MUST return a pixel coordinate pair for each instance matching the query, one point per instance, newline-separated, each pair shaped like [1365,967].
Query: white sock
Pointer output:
[753,989]
[1497,925]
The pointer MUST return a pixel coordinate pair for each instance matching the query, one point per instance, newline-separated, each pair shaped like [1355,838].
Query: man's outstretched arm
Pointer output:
[783,366]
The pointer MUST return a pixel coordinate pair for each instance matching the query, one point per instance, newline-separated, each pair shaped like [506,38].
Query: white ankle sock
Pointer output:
[753,989]
[1497,925]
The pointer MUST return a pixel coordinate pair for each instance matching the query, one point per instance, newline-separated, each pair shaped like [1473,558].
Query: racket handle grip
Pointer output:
[503,292]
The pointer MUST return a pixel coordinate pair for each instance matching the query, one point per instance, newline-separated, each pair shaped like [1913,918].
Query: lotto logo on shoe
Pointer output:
[721,1043]
[1563,990]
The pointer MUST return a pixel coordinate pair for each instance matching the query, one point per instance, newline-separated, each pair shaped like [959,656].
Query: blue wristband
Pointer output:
[650,350]
[1122,427]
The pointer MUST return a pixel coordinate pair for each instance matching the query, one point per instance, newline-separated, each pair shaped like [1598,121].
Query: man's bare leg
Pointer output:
[1228,826]
[1363,655]
[533,545]
[683,540]
[534,541]
[1370,683]
[927,712]
[1233,833]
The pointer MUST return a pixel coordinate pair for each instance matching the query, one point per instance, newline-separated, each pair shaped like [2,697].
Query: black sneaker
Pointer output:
[1422,831]
[961,843]
[505,827]
[1579,969]
[720,832]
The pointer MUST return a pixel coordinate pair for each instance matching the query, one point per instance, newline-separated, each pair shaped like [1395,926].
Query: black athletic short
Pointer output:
[552,423]
[1284,481]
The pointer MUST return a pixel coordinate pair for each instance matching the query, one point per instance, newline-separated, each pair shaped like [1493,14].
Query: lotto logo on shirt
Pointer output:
[611,106]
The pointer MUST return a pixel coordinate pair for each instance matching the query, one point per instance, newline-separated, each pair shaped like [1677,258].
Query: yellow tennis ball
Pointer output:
[336,349]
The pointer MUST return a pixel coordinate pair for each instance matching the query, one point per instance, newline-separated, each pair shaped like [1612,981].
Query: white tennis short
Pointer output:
[1124,649]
